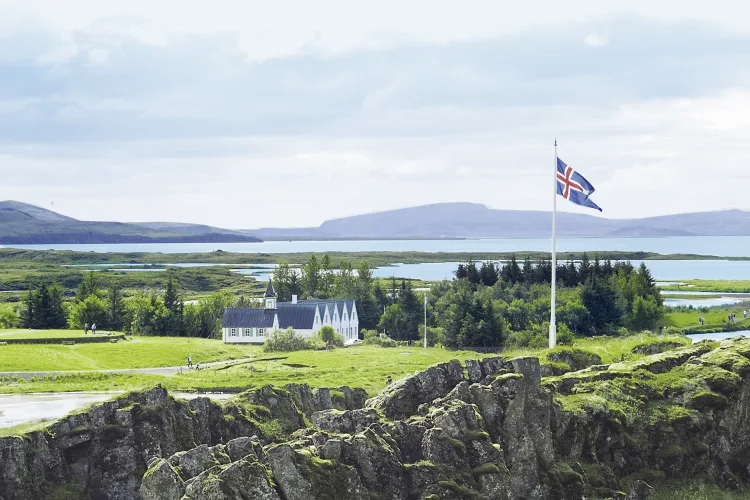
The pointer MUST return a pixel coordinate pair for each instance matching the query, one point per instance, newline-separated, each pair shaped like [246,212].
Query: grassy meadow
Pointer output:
[137,352]
[362,366]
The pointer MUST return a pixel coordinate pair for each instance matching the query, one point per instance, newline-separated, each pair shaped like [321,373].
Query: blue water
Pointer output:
[718,335]
[729,246]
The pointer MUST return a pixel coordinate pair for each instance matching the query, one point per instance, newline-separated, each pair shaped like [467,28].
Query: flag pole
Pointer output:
[425,319]
[552,319]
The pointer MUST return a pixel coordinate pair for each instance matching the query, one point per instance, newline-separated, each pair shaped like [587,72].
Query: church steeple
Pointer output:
[270,296]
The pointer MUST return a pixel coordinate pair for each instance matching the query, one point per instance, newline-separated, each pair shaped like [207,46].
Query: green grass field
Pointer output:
[140,352]
[714,316]
[735,286]
[40,334]
[362,366]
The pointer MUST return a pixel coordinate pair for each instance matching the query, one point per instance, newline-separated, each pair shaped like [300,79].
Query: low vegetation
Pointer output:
[137,352]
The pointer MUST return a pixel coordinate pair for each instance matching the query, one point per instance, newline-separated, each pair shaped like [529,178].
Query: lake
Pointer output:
[728,246]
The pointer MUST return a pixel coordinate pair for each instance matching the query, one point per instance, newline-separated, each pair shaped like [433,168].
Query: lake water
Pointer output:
[729,246]
[718,335]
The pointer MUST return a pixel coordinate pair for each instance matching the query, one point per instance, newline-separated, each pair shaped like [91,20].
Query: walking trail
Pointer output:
[165,371]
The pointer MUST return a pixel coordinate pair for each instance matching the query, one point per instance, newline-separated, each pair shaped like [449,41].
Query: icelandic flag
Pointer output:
[573,186]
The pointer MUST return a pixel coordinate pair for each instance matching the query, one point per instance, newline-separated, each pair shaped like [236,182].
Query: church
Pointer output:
[306,317]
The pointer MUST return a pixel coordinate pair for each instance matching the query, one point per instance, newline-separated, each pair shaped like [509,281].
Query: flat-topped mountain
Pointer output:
[24,224]
[472,220]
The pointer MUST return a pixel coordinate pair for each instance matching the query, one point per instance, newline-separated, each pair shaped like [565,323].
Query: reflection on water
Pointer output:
[718,335]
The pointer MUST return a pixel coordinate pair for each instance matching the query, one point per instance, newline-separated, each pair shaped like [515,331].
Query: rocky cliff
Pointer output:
[492,429]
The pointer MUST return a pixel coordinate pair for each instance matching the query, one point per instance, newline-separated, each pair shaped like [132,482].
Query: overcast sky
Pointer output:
[249,114]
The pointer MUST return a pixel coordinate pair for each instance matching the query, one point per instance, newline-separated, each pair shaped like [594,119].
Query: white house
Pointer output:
[253,325]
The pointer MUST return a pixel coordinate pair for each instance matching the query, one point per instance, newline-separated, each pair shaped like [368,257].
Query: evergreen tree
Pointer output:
[607,269]
[115,308]
[28,318]
[282,281]
[311,277]
[88,286]
[511,272]
[528,271]
[584,269]
[488,273]
[571,275]
[461,272]
[243,302]
[472,274]
[601,300]
[411,307]
[327,278]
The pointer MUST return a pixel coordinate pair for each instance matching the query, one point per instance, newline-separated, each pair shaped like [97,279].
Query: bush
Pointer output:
[435,336]
[371,337]
[328,334]
[288,340]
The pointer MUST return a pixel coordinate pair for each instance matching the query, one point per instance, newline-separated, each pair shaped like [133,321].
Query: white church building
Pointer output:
[306,317]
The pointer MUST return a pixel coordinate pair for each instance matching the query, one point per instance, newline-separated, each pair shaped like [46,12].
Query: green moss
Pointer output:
[563,474]
[432,497]
[502,378]
[78,431]
[457,445]
[67,491]
[488,468]
[476,435]
[460,491]
[705,400]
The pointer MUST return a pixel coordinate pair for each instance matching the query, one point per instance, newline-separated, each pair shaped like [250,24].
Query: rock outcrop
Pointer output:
[103,452]
[498,430]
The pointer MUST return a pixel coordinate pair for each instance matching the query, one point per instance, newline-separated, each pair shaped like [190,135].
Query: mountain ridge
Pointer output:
[21,223]
[25,224]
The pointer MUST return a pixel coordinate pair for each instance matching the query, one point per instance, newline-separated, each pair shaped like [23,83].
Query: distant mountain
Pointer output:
[471,220]
[23,224]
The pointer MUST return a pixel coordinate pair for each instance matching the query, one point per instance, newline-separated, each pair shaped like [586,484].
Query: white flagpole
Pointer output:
[425,319]
[552,319]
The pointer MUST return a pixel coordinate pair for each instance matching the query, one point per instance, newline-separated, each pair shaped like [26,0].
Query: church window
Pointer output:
[247,332]
[261,332]
[233,332]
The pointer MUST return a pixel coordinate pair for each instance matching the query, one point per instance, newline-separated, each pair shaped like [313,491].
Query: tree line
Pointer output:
[489,305]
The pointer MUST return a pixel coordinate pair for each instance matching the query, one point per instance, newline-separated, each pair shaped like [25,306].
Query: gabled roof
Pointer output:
[270,292]
[247,317]
[299,317]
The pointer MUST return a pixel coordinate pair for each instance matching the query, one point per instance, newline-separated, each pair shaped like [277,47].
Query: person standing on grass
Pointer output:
[85,328]
[93,329]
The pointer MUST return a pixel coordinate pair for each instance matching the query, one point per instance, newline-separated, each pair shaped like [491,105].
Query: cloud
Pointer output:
[136,124]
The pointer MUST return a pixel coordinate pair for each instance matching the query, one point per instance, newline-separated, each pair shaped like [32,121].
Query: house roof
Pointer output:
[338,305]
[247,317]
[299,317]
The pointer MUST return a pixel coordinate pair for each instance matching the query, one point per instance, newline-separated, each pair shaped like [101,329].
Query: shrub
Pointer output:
[374,338]
[435,336]
[288,340]
[328,334]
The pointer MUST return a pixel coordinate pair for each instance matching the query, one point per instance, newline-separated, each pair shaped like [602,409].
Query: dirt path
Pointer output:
[164,371]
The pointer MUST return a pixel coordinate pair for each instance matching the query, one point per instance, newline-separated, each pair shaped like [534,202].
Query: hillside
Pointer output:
[472,220]
[23,224]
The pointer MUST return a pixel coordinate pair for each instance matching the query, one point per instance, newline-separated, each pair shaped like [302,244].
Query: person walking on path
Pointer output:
[190,362]
[93,329]
[85,328]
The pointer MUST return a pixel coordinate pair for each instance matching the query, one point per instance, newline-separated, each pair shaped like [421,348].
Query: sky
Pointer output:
[248,114]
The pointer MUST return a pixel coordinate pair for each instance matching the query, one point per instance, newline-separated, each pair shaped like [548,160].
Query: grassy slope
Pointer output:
[362,366]
[736,286]
[140,352]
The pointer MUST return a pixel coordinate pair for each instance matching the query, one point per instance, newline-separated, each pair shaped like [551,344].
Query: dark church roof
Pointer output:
[270,292]
[246,317]
[298,316]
